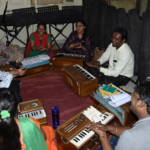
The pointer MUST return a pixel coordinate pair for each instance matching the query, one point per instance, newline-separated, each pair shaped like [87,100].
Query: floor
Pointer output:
[51,89]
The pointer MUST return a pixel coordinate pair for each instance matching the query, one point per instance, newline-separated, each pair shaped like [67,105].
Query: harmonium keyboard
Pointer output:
[83,82]
[33,108]
[63,59]
[73,135]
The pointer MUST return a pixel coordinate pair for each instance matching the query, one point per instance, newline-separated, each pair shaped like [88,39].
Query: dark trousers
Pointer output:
[118,81]
[15,89]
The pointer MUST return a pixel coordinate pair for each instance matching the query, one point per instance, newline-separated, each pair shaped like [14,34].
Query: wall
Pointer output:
[127,4]
[143,6]
[15,4]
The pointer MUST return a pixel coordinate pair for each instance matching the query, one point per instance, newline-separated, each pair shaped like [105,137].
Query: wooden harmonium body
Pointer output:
[63,59]
[34,65]
[83,82]
[33,108]
[73,135]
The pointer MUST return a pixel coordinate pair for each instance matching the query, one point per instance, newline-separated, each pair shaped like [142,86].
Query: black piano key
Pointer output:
[99,122]
[106,114]
[104,117]
[83,132]
[80,136]
[75,140]
[86,130]
[88,76]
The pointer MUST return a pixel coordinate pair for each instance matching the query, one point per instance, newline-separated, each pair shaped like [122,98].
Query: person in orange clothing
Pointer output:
[48,134]
[23,133]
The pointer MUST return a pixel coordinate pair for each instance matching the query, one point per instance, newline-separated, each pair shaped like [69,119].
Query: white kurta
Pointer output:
[121,61]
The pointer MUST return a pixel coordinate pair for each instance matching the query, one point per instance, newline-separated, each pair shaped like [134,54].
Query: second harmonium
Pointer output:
[63,59]
[73,134]
[32,108]
[83,82]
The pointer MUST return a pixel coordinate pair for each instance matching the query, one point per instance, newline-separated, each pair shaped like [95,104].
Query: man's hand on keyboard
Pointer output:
[98,128]
[93,64]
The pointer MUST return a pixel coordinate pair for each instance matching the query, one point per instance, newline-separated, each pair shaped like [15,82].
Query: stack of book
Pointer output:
[116,96]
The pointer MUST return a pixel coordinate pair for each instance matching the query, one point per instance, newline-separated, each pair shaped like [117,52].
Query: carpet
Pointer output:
[51,89]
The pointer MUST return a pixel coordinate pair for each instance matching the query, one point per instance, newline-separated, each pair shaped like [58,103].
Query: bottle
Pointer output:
[55,116]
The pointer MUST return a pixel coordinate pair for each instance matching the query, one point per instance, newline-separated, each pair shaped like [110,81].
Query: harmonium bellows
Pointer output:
[73,135]
[83,82]
[63,59]
[33,108]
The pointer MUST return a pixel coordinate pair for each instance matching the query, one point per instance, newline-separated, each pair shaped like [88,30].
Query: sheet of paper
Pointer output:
[119,97]
[121,102]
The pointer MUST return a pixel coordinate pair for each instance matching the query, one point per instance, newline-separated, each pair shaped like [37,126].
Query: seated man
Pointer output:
[137,137]
[121,61]
[79,41]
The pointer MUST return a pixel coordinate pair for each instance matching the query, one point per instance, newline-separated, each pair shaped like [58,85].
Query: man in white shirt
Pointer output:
[120,58]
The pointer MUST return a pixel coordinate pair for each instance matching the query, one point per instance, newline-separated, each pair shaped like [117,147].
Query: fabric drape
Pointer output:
[32,135]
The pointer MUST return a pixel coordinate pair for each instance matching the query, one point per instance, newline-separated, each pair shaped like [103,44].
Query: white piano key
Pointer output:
[95,115]
[38,114]
[92,114]
[85,72]
[106,117]
[81,138]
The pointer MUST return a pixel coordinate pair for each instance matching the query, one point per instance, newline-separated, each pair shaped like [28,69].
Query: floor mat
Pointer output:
[51,89]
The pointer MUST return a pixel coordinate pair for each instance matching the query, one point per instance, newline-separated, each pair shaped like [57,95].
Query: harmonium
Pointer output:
[34,65]
[33,108]
[73,134]
[63,59]
[82,82]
